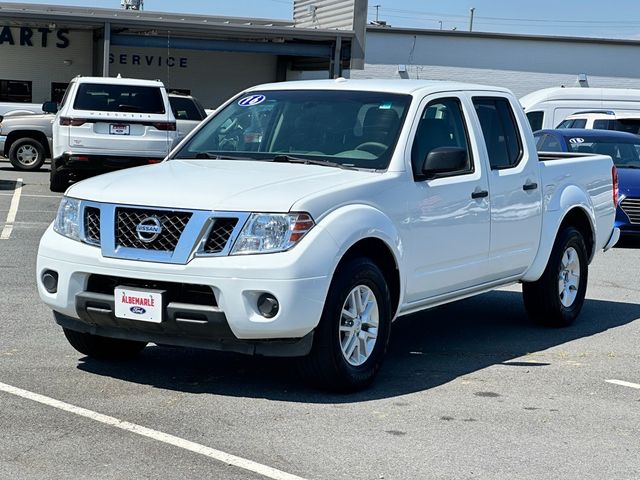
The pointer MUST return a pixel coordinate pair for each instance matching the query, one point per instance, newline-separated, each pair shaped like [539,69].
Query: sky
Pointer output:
[585,18]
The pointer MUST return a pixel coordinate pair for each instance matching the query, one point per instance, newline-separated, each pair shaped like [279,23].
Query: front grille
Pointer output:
[631,207]
[92,225]
[175,292]
[220,234]
[172,223]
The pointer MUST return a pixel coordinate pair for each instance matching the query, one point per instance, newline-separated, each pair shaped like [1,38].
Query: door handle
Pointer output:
[480,194]
[529,186]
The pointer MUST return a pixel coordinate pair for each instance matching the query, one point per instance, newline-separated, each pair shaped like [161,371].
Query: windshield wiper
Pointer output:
[214,156]
[309,161]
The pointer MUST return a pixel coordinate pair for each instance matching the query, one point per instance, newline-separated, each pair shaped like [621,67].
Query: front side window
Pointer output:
[535,120]
[119,98]
[441,125]
[499,130]
[349,128]
[185,108]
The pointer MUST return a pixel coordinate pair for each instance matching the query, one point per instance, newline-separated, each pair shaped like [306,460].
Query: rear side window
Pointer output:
[185,109]
[535,120]
[499,130]
[119,98]
[601,124]
[550,144]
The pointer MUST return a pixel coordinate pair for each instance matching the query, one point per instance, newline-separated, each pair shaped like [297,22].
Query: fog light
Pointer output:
[268,305]
[50,281]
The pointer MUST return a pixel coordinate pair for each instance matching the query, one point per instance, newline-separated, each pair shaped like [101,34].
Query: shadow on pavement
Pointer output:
[427,349]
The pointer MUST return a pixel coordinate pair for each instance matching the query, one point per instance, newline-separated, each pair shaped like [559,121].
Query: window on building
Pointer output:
[15,91]
[499,130]
[57,91]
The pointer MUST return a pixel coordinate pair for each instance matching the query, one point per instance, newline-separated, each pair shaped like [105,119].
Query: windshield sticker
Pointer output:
[251,100]
[385,106]
[576,140]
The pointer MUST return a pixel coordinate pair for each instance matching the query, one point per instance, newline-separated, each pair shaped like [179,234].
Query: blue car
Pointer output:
[623,148]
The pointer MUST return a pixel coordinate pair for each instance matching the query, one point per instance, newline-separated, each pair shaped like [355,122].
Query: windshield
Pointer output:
[351,129]
[625,153]
[119,98]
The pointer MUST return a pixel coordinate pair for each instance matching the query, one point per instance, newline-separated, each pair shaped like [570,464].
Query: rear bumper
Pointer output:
[615,236]
[90,163]
[3,140]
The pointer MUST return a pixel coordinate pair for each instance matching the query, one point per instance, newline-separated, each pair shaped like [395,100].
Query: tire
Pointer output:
[58,180]
[27,154]
[103,348]
[345,356]
[555,300]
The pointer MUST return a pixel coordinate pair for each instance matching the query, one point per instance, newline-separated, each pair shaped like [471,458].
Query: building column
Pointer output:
[336,63]
[106,49]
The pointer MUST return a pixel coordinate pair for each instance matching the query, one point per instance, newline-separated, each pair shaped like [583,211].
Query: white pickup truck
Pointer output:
[303,218]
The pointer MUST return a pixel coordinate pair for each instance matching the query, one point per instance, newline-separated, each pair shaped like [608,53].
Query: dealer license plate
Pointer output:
[138,304]
[118,129]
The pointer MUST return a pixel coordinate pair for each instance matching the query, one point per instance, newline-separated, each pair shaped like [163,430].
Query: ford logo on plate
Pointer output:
[138,310]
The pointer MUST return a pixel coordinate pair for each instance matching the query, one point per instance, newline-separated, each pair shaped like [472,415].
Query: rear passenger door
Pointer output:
[447,227]
[514,185]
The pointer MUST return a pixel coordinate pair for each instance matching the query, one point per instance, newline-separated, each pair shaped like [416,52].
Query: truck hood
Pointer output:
[28,120]
[231,185]
[629,181]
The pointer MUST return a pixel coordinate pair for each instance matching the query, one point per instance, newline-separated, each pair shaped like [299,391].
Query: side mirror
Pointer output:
[444,160]
[50,107]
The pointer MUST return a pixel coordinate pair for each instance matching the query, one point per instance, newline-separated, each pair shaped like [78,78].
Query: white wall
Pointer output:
[213,77]
[43,65]
[523,65]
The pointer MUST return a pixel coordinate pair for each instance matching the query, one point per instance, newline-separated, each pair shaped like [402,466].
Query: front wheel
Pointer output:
[557,297]
[104,348]
[27,154]
[351,340]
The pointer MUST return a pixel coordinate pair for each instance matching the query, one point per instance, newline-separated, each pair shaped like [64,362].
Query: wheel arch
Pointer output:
[577,216]
[381,254]
[12,137]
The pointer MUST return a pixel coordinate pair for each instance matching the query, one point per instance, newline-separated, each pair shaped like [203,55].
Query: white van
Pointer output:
[106,124]
[548,107]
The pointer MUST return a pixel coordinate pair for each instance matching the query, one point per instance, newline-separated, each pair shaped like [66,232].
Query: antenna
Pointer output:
[132,4]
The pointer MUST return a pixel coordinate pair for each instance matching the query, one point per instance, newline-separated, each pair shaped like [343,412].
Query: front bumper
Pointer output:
[236,281]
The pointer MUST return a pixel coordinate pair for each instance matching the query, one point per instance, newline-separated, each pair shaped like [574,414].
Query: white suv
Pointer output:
[604,120]
[105,124]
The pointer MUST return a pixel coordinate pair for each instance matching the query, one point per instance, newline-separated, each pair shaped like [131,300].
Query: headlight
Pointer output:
[67,220]
[271,232]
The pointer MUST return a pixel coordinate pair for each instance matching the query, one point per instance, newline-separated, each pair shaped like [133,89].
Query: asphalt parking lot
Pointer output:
[469,390]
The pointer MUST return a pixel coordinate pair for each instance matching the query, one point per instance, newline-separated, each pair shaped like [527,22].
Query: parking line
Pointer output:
[223,457]
[33,195]
[624,384]
[13,211]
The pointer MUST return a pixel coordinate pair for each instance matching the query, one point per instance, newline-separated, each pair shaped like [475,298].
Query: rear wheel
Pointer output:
[58,180]
[557,297]
[351,340]
[104,348]
[27,154]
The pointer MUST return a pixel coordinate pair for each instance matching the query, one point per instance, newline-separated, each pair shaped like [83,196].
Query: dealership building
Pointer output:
[43,46]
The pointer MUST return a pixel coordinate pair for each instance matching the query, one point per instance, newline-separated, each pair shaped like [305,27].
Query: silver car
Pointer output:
[26,138]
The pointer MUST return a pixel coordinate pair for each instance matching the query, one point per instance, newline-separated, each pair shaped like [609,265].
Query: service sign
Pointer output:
[138,304]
